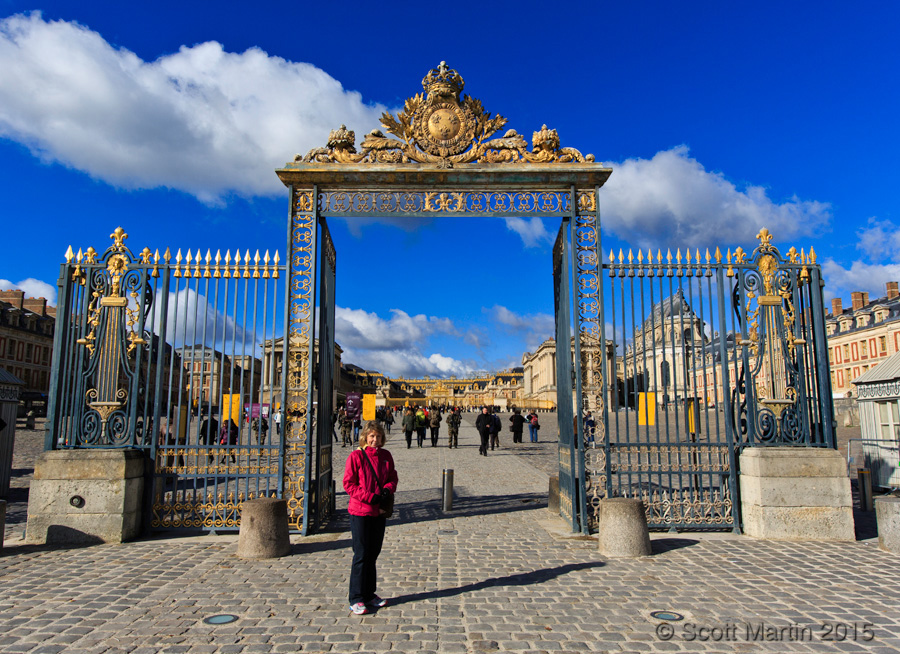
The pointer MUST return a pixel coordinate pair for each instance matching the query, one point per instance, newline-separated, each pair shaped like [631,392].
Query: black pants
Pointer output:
[408,439]
[434,436]
[485,437]
[495,439]
[368,535]
[420,435]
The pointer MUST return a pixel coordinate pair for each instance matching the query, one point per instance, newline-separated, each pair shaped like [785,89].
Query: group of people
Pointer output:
[420,420]
[489,426]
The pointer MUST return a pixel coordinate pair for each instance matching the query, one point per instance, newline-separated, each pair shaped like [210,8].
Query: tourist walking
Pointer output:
[370,480]
[483,425]
[453,421]
[276,418]
[533,426]
[516,422]
[495,430]
[388,419]
[229,435]
[421,425]
[346,423]
[408,424]
[434,422]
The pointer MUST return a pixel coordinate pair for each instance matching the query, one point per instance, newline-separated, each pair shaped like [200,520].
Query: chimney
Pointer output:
[14,297]
[836,307]
[865,299]
[857,299]
[893,292]
[36,305]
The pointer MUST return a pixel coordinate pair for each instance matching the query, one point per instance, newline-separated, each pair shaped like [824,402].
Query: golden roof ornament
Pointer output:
[440,127]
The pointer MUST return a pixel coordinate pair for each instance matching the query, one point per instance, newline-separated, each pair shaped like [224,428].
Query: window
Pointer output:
[846,352]
[11,349]
[865,349]
[882,341]
[29,351]
[888,419]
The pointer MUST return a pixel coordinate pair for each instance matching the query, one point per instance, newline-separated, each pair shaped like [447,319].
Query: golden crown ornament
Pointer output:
[439,127]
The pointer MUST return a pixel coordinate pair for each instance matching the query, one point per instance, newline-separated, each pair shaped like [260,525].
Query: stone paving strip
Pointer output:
[497,574]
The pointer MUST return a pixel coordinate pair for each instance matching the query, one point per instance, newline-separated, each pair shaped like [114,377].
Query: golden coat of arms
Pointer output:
[442,128]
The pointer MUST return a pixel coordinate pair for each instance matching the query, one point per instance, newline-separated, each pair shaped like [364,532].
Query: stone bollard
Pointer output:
[553,495]
[2,522]
[622,527]
[887,515]
[264,529]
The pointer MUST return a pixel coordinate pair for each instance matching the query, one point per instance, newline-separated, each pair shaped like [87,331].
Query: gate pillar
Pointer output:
[795,493]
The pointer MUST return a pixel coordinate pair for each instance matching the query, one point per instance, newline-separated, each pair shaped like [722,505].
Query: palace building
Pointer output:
[862,336]
[27,326]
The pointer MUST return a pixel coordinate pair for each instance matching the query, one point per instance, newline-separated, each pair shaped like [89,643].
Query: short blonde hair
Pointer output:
[370,427]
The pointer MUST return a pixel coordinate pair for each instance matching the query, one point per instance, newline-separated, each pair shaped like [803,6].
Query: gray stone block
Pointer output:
[887,514]
[264,530]
[90,464]
[792,462]
[622,527]
[85,496]
[795,493]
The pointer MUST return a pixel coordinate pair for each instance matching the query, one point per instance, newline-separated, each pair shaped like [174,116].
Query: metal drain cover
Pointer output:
[668,616]
[447,532]
[222,618]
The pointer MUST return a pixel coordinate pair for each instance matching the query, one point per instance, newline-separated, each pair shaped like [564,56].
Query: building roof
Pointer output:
[887,370]
[7,377]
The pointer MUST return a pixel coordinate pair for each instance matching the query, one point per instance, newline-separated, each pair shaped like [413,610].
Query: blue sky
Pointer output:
[718,118]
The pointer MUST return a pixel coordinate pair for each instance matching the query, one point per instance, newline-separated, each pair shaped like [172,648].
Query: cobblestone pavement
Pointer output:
[497,574]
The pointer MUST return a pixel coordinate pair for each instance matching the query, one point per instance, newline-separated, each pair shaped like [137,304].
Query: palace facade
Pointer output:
[862,336]
[27,326]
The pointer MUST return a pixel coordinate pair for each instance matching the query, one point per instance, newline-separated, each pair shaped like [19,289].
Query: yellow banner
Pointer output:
[231,408]
[368,407]
[647,409]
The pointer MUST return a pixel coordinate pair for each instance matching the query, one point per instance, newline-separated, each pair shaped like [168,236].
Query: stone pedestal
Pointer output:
[887,513]
[795,493]
[85,496]
[264,529]
[622,528]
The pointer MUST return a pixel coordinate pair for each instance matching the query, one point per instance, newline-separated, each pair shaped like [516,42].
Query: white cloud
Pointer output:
[860,276]
[33,288]
[534,328]
[395,346]
[532,231]
[672,198]
[406,362]
[202,120]
[192,320]
[879,240]
[359,329]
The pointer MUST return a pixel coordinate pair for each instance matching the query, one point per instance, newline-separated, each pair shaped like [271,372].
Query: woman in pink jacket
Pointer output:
[367,520]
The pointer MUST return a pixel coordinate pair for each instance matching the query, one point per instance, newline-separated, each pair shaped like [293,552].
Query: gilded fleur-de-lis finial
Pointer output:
[765,238]
[119,237]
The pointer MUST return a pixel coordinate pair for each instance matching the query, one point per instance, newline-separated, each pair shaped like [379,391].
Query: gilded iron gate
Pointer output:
[175,355]
[704,355]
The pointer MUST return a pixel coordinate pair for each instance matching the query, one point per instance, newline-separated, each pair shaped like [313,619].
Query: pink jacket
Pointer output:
[359,482]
